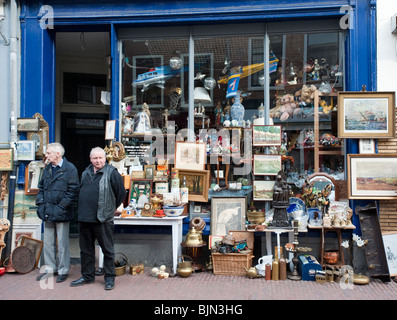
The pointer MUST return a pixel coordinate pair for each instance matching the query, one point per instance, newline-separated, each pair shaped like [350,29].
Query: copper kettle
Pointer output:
[193,238]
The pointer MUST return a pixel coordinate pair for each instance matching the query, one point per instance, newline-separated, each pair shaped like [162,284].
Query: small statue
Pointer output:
[218,113]
[142,120]
[280,202]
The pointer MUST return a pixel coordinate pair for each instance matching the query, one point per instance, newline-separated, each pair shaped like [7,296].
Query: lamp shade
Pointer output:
[201,95]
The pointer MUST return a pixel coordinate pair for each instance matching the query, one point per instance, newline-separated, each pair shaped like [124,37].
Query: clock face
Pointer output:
[147,206]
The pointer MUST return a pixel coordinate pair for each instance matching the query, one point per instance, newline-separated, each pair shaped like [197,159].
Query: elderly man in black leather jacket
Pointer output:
[58,189]
[101,193]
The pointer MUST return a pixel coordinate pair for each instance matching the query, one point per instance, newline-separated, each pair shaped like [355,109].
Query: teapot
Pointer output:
[193,238]
[251,272]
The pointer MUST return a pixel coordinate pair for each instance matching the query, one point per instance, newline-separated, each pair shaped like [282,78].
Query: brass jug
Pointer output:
[193,238]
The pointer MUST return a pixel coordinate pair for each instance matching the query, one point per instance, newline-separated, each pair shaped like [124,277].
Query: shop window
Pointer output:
[303,100]
[299,93]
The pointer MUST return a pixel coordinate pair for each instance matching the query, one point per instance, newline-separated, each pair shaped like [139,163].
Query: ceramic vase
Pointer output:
[237,110]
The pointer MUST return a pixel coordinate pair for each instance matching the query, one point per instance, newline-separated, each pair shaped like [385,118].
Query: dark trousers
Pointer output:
[103,233]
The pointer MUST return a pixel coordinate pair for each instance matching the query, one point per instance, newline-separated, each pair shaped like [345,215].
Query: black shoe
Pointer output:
[109,284]
[61,278]
[45,275]
[80,282]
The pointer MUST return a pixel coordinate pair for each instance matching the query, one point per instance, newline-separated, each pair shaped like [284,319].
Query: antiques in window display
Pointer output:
[28,124]
[142,120]
[40,137]
[165,114]
[110,130]
[197,184]
[6,159]
[156,77]
[237,110]
[266,164]
[130,210]
[184,269]
[4,227]
[147,210]
[227,214]
[3,185]
[263,190]
[280,202]
[366,114]
[194,244]
[140,191]
[32,177]
[266,135]
[286,108]
[25,150]
[175,97]
[371,176]
[190,155]
[374,249]
[22,260]
[226,257]
[296,250]
[201,96]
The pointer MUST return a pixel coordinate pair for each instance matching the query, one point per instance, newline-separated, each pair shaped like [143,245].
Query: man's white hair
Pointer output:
[97,149]
[57,147]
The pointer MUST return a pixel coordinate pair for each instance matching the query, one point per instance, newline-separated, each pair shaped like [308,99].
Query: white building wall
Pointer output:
[4,73]
[386,46]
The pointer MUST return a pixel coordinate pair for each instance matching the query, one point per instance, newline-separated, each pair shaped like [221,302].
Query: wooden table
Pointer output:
[174,222]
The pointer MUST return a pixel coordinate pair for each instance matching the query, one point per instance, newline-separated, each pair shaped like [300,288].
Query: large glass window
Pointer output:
[298,93]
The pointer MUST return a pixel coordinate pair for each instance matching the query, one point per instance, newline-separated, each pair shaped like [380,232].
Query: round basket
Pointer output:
[120,263]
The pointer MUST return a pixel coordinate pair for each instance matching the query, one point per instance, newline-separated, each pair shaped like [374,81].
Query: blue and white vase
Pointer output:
[237,110]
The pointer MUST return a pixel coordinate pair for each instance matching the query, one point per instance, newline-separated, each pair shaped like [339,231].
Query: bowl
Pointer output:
[173,211]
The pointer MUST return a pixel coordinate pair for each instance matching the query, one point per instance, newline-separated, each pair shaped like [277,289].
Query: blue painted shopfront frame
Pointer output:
[38,44]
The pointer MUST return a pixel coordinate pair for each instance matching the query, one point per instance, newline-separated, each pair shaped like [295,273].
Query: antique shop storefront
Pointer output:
[235,104]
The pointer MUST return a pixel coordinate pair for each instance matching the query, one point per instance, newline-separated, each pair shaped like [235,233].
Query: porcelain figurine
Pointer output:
[142,120]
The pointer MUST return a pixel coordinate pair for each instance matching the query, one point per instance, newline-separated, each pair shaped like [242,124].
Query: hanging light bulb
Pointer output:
[209,83]
[175,63]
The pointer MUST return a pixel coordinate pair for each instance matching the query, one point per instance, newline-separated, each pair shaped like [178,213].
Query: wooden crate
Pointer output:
[234,264]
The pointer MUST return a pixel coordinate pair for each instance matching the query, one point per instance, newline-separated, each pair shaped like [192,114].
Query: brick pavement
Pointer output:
[199,286]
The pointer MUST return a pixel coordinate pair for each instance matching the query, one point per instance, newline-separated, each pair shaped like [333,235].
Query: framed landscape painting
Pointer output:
[366,114]
[267,164]
[372,176]
[263,190]
[266,135]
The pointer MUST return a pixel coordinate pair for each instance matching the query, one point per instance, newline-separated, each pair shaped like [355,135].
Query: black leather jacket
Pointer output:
[56,194]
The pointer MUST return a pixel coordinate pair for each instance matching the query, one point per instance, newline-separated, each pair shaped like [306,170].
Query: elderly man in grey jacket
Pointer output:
[58,189]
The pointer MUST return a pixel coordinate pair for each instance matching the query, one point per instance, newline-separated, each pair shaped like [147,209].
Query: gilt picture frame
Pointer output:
[190,155]
[372,176]
[197,183]
[366,114]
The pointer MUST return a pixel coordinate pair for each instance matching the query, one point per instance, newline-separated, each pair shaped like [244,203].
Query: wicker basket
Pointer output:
[234,264]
